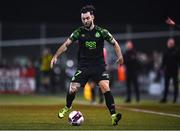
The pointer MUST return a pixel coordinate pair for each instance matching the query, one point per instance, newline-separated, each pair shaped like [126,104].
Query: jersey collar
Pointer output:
[89,29]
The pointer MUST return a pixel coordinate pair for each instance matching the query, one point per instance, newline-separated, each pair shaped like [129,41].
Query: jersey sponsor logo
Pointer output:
[97,35]
[90,44]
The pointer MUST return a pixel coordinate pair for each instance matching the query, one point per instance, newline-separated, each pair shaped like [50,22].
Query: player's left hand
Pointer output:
[120,60]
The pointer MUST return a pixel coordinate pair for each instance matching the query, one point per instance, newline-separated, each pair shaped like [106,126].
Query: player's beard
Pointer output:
[88,26]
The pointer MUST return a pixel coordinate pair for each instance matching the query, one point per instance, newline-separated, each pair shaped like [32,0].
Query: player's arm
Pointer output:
[170,22]
[107,36]
[117,49]
[60,50]
[74,36]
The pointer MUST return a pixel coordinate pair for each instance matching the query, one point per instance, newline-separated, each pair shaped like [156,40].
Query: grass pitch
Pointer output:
[40,112]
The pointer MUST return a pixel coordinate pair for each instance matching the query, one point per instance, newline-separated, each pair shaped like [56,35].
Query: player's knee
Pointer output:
[104,85]
[74,87]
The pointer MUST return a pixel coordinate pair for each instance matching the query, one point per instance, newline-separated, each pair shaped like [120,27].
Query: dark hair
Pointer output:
[88,8]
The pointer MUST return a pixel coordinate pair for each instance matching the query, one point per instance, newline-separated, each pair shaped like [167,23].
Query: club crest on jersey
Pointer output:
[83,35]
[97,35]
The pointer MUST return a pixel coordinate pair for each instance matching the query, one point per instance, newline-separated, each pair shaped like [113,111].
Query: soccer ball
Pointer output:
[75,118]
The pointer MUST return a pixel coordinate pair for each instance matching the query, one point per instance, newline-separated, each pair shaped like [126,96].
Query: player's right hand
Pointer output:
[53,61]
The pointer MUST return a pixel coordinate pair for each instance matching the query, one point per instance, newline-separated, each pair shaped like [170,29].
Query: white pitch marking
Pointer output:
[151,112]
[137,110]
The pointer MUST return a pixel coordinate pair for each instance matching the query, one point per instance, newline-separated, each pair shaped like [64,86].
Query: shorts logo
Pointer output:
[106,75]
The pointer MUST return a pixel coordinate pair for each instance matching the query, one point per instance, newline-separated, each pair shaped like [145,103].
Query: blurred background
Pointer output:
[31,32]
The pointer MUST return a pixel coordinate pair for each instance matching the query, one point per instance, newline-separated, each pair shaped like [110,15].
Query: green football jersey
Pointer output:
[91,44]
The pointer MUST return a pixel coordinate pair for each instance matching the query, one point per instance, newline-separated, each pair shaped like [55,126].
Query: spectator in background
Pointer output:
[31,72]
[170,22]
[132,69]
[170,65]
[45,69]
